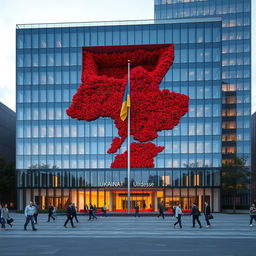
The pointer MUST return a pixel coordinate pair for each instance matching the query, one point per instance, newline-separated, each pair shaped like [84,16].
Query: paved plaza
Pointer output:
[229,235]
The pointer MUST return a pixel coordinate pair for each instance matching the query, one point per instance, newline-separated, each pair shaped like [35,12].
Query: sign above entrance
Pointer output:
[143,184]
[111,184]
[122,184]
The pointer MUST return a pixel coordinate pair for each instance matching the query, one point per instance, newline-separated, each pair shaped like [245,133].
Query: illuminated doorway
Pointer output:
[141,198]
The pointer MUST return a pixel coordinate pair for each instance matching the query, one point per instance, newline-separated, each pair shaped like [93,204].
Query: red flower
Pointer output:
[142,156]
[104,77]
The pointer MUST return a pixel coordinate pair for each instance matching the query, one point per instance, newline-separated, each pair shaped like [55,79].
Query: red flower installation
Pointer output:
[142,156]
[104,77]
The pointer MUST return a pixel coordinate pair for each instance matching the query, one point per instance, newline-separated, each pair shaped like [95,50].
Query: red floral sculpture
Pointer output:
[104,77]
[142,156]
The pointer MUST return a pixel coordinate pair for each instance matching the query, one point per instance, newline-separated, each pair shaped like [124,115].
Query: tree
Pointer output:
[235,176]
[7,181]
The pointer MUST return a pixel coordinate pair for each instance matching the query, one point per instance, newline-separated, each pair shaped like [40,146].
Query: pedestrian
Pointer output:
[50,212]
[36,212]
[5,216]
[73,208]
[207,214]
[195,214]
[90,212]
[137,211]
[161,210]
[69,217]
[94,212]
[178,214]
[86,208]
[104,210]
[29,214]
[1,219]
[252,214]
[54,212]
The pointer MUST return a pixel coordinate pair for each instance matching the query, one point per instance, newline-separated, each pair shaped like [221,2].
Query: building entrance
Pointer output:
[143,199]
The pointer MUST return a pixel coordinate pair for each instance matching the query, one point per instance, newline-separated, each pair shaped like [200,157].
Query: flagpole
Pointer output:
[128,148]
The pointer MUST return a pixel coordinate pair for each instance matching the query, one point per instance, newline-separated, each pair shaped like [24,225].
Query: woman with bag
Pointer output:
[5,216]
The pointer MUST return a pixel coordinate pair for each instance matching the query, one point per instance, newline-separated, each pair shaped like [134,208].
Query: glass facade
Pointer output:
[58,157]
[236,64]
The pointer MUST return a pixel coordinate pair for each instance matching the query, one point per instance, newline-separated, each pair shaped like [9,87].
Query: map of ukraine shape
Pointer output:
[103,81]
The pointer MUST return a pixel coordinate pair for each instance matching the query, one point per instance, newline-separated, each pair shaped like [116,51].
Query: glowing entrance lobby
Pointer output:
[169,186]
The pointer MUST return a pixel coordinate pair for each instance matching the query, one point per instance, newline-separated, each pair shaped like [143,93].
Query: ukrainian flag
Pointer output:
[126,103]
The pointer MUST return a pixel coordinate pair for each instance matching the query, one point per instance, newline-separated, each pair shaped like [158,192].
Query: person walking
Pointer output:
[36,212]
[207,213]
[137,211]
[54,212]
[1,219]
[195,214]
[86,209]
[5,216]
[252,214]
[69,217]
[73,208]
[161,210]
[90,211]
[94,212]
[29,214]
[50,212]
[178,214]
[104,210]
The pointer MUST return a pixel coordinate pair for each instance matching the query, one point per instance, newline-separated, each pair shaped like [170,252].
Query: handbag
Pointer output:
[210,217]
[10,220]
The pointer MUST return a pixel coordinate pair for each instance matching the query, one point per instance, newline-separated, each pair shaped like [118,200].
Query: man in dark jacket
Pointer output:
[161,210]
[92,214]
[36,212]
[50,211]
[137,211]
[196,213]
[69,216]
[207,213]
[73,213]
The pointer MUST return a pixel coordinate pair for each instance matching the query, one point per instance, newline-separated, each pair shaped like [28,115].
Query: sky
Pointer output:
[14,12]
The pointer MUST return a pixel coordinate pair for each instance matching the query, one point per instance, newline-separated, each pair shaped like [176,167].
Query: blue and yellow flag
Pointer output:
[126,103]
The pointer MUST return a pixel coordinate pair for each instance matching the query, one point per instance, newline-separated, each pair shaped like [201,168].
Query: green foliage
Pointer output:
[235,174]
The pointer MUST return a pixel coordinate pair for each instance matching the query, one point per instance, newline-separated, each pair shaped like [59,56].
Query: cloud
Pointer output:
[30,11]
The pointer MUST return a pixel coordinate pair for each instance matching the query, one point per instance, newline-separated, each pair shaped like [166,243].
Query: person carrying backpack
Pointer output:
[195,214]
